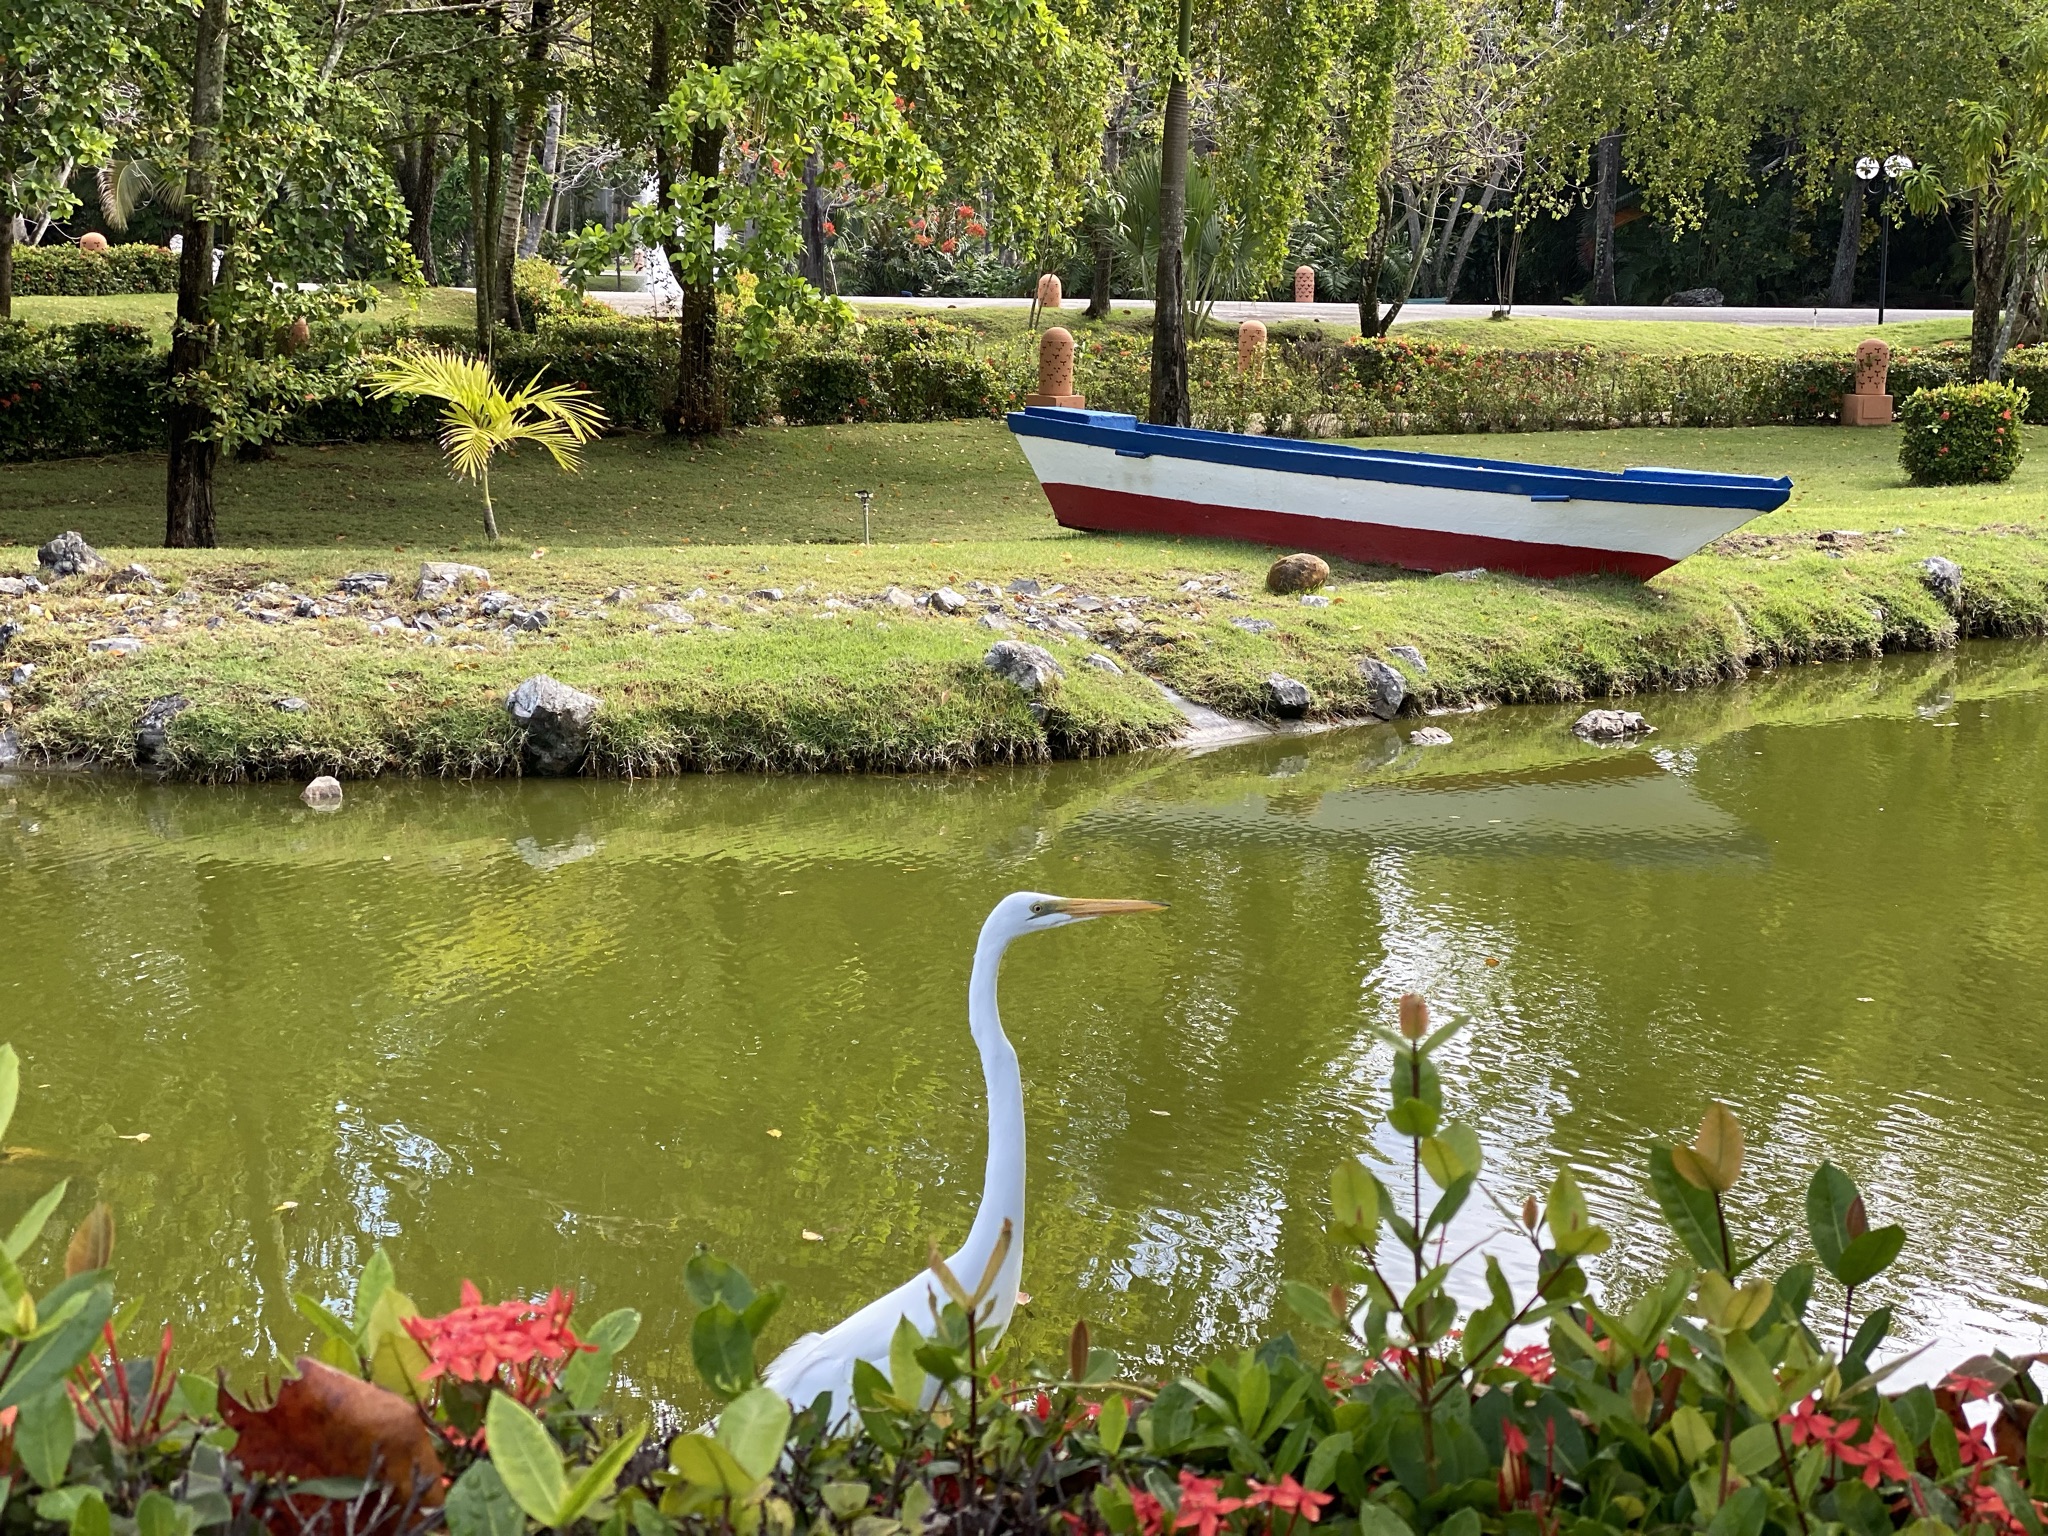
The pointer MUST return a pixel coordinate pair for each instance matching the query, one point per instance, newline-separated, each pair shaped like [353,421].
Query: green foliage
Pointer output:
[1962,433]
[65,269]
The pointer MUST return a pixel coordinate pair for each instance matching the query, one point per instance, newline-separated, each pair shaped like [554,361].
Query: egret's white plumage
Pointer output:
[823,1362]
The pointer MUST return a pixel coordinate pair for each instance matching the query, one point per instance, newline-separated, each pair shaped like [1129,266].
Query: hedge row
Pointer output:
[44,270]
[98,388]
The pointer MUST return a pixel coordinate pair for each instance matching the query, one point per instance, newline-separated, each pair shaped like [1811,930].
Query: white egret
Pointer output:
[821,1362]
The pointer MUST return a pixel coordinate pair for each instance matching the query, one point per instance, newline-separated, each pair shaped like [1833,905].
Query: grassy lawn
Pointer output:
[434,306]
[1655,337]
[831,675]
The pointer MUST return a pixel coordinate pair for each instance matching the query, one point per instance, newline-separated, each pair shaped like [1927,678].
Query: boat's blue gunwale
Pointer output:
[1501,477]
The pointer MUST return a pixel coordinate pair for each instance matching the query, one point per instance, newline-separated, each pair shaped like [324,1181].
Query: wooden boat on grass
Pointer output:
[1109,472]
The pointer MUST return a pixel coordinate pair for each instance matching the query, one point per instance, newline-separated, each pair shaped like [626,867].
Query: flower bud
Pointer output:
[1530,1213]
[1414,1016]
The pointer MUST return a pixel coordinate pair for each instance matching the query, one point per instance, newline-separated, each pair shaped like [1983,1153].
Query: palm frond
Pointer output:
[481,419]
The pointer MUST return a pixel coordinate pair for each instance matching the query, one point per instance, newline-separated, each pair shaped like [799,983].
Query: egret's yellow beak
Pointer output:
[1084,906]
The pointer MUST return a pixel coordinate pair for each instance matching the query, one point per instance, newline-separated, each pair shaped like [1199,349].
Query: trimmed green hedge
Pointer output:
[1962,434]
[41,271]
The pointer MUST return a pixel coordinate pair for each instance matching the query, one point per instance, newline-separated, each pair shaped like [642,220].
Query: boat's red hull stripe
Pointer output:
[1421,549]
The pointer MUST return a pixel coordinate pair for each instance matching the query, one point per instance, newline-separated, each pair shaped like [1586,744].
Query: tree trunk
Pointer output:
[1478,217]
[419,183]
[479,263]
[1848,245]
[6,261]
[1988,249]
[1170,403]
[816,265]
[527,105]
[188,489]
[1370,320]
[1101,237]
[494,274]
[699,409]
[1606,193]
[551,165]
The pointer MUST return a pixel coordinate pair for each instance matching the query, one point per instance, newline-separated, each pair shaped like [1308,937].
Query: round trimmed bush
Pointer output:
[1960,434]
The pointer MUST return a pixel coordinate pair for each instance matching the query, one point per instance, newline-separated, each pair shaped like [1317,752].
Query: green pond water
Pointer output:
[547,1033]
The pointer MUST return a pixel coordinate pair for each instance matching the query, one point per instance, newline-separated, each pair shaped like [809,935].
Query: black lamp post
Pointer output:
[1883,172]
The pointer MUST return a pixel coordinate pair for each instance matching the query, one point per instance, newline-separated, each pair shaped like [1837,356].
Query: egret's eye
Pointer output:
[1038,909]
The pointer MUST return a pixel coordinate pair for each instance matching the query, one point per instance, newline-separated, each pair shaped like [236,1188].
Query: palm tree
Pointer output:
[482,419]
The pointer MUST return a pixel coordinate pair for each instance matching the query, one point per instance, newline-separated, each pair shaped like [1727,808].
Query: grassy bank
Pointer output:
[831,675]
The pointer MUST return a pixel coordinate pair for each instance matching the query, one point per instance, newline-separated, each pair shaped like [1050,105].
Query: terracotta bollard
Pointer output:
[1056,370]
[1869,405]
[92,240]
[1251,347]
[1304,285]
[1049,295]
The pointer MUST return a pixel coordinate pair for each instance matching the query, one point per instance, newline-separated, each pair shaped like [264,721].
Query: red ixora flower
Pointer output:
[475,1342]
[1201,1507]
[1289,1498]
[1968,1388]
[831,228]
[1878,1458]
[1150,1511]
[1532,1361]
[949,246]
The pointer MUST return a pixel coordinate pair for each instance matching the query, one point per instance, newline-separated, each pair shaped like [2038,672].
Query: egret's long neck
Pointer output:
[1002,1189]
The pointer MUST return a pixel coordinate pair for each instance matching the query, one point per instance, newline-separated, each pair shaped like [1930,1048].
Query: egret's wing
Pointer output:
[823,1362]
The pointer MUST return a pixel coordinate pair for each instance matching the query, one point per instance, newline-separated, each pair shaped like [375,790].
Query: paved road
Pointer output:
[1347,314]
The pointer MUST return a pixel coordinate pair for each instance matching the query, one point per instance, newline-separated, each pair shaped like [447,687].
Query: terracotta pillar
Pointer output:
[1049,296]
[1868,405]
[1304,285]
[1251,347]
[1056,370]
[92,240]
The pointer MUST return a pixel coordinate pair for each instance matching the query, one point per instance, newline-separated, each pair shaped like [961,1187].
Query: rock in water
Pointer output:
[443,578]
[153,730]
[1386,690]
[323,794]
[1610,725]
[1430,736]
[1411,655]
[1944,579]
[1297,573]
[557,719]
[1031,668]
[1287,698]
[69,555]
[10,748]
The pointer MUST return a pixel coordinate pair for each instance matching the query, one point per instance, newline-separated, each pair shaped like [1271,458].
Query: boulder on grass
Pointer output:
[1030,668]
[69,555]
[1286,697]
[557,719]
[444,578]
[1297,573]
[1944,578]
[1386,690]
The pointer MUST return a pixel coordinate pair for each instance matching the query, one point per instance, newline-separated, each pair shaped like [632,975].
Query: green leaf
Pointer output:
[1254,1391]
[91,1517]
[757,1312]
[1867,1256]
[527,1459]
[481,1505]
[377,1278]
[1413,1117]
[1752,1376]
[1378,1520]
[1312,1306]
[1451,1154]
[1742,1515]
[722,1349]
[51,1356]
[2037,1455]
[753,1427]
[598,1478]
[1115,1420]
[1870,1333]
[324,1319]
[589,1372]
[1322,1461]
[199,1394]
[10,1085]
[906,1376]
[1828,1198]
[1570,1220]
[30,1227]
[706,1464]
[710,1280]
[1688,1209]
[1354,1197]
[398,1362]
[45,1433]
[158,1514]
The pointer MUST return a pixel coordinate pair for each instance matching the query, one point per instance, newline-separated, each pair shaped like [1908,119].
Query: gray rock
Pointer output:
[491,604]
[20,676]
[7,633]
[1411,655]
[290,704]
[1386,690]
[153,730]
[767,594]
[1297,573]
[896,597]
[118,645]
[323,794]
[1127,624]
[1696,297]
[1073,628]
[306,608]
[996,622]
[1610,725]
[13,586]
[670,613]
[1102,663]
[364,583]
[1314,600]
[69,555]
[557,719]
[528,618]
[1024,586]
[1031,668]
[445,578]
[1471,573]
[10,748]
[1430,736]
[1944,579]
[1252,626]
[1086,603]
[619,595]
[946,600]
[1287,698]
[133,578]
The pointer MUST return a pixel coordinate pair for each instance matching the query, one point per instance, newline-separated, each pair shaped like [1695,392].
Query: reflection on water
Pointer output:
[540,1033]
